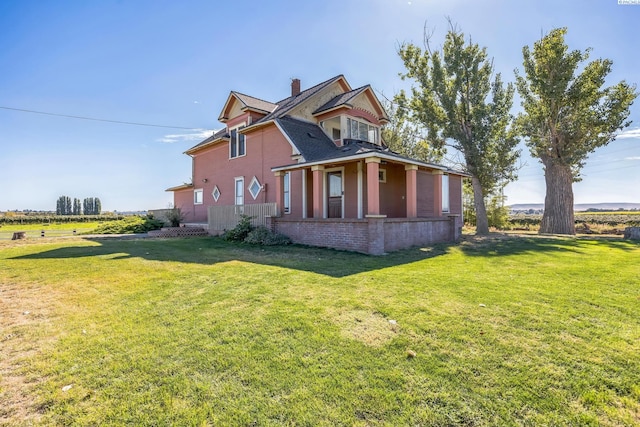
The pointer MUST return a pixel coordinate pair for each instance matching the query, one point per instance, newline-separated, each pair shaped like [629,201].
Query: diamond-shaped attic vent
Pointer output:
[254,188]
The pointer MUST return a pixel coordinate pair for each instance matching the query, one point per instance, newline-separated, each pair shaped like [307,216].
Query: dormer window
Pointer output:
[362,131]
[236,143]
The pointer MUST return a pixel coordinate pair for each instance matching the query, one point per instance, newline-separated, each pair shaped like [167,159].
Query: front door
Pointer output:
[335,194]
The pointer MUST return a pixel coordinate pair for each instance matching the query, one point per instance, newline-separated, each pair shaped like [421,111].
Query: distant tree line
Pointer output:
[90,206]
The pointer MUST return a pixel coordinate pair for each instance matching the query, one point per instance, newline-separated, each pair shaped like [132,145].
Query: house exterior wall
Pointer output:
[393,192]
[212,167]
[425,194]
[455,194]
[183,200]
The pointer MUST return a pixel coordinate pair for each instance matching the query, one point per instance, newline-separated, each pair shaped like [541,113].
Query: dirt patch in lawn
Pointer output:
[370,328]
[25,318]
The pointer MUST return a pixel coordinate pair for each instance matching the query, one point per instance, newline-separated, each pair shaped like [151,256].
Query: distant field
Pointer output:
[51,229]
[201,332]
[586,222]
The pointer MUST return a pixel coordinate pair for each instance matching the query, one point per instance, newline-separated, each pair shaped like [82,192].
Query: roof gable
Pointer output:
[288,105]
[238,102]
[362,98]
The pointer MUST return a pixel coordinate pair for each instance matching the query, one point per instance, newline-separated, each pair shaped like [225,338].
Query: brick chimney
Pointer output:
[295,87]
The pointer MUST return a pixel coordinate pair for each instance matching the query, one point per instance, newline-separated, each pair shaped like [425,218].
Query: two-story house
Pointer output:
[317,161]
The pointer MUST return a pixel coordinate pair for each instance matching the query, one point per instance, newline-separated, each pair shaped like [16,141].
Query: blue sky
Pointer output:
[173,63]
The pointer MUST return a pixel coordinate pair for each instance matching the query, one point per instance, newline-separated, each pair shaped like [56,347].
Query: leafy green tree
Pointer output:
[460,103]
[97,206]
[567,115]
[406,137]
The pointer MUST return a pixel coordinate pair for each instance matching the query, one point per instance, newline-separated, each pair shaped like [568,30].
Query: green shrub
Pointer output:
[129,225]
[241,231]
[263,236]
[175,217]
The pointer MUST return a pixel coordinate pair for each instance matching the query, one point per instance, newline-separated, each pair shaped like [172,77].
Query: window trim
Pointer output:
[213,193]
[235,142]
[286,193]
[235,191]
[370,126]
[254,180]
[446,208]
[195,199]
[382,175]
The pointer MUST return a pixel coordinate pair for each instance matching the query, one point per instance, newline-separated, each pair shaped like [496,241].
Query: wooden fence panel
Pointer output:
[227,217]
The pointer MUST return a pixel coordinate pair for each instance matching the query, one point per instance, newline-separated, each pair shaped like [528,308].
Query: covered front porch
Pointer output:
[369,185]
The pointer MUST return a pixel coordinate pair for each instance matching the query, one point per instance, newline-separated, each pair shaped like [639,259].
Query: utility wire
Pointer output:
[97,120]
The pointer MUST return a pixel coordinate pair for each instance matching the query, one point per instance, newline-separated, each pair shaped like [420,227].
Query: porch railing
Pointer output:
[227,217]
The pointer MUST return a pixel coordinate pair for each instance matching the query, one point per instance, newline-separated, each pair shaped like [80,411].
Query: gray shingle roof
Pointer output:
[342,99]
[314,145]
[310,140]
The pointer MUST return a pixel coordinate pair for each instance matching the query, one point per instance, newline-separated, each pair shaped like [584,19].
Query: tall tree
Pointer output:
[68,210]
[406,137]
[77,210]
[458,102]
[97,206]
[567,115]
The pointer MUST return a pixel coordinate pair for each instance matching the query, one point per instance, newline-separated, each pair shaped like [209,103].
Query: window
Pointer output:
[254,187]
[197,196]
[362,131]
[287,192]
[382,175]
[236,143]
[445,193]
[239,191]
[215,193]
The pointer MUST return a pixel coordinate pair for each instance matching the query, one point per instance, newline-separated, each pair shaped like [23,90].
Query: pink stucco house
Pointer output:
[315,164]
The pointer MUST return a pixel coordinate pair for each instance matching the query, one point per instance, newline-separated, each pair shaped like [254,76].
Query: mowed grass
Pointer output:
[516,331]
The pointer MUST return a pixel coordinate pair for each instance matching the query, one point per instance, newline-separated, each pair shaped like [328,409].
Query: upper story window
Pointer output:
[236,143]
[363,131]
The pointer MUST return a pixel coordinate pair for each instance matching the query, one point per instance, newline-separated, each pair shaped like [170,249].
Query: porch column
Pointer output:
[318,175]
[412,190]
[373,186]
[437,193]
[279,189]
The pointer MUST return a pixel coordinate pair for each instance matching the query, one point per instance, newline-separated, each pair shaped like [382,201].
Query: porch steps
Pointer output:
[179,232]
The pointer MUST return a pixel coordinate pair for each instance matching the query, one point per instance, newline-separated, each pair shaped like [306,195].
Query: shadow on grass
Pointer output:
[213,250]
[501,244]
[333,263]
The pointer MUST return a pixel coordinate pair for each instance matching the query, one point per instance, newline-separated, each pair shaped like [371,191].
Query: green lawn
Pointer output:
[519,331]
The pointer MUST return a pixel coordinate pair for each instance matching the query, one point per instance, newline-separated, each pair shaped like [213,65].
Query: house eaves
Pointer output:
[180,187]
[366,155]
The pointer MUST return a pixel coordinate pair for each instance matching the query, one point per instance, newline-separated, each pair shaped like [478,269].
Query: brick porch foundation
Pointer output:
[374,236]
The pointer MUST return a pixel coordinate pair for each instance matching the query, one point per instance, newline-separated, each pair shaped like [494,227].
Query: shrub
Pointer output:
[174,216]
[129,225]
[241,230]
[263,236]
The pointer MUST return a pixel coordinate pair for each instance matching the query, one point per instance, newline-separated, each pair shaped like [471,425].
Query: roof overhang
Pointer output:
[180,187]
[197,148]
[367,155]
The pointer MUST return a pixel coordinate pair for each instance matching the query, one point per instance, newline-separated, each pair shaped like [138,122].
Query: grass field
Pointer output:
[50,230]
[500,331]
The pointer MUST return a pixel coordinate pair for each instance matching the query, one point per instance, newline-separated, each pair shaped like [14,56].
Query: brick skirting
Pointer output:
[374,236]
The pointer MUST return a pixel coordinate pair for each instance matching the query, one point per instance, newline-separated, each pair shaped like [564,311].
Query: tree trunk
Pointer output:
[558,202]
[482,223]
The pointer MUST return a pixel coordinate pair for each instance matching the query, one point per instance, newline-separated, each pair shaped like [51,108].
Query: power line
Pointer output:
[96,119]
